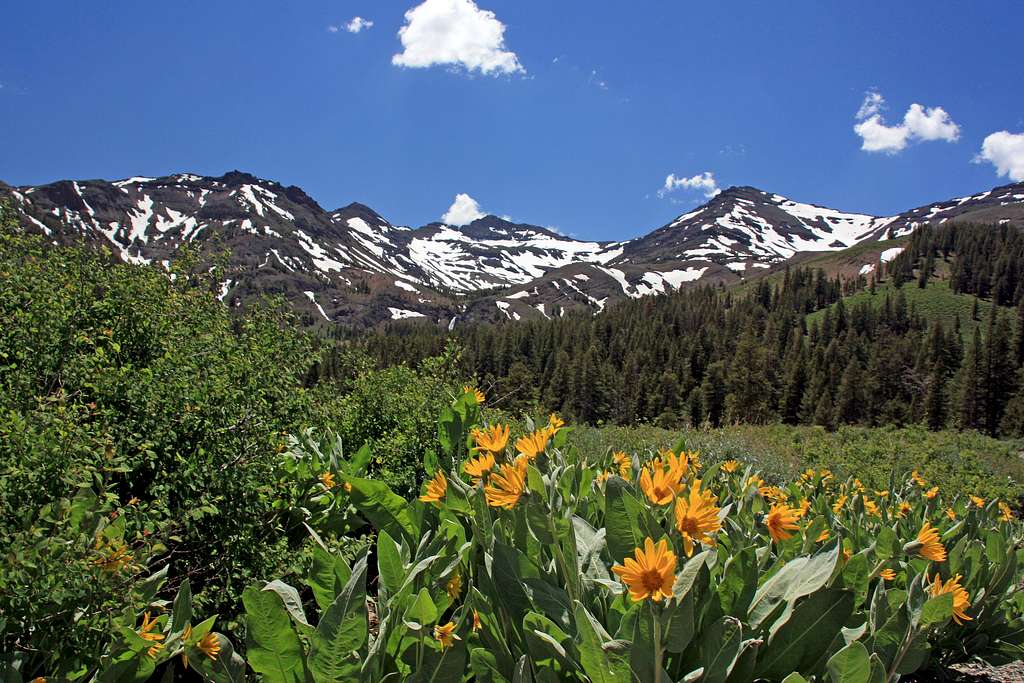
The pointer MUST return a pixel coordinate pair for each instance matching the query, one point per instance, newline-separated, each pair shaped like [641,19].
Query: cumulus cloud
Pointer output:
[463,210]
[455,33]
[1005,151]
[705,182]
[920,124]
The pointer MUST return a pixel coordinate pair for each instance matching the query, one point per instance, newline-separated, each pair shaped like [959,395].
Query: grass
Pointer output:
[961,463]
[935,302]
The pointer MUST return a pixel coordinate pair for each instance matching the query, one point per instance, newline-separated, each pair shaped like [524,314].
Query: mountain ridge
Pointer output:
[352,266]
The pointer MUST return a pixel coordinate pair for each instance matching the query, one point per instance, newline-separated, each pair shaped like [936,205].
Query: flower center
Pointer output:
[651,580]
[688,525]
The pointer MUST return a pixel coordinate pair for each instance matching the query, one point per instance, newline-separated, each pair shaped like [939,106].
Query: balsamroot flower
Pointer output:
[436,488]
[871,507]
[492,440]
[651,574]
[951,513]
[697,517]
[918,479]
[931,493]
[476,621]
[327,479]
[977,502]
[903,510]
[624,464]
[823,536]
[209,645]
[887,575]
[961,599]
[146,630]
[554,424]
[454,586]
[781,520]
[1005,513]
[477,394]
[838,505]
[506,486]
[661,487]
[927,545]
[534,444]
[477,467]
[446,634]
[730,466]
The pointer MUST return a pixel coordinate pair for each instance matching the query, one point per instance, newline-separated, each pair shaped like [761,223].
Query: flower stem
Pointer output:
[657,644]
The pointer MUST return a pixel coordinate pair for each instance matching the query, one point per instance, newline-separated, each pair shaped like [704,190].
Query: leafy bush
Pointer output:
[529,560]
[143,395]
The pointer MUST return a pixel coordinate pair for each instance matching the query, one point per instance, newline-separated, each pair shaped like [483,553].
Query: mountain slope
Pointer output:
[353,266]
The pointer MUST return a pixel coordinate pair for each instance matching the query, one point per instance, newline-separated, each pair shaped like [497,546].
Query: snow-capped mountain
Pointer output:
[353,266]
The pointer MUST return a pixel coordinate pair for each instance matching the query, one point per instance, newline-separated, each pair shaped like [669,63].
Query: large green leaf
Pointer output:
[342,631]
[181,612]
[719,648]
[328,574]
[797,578]
[621,520]
[273,647]
[852,664]
[601,664]
[386,510]
[810,629]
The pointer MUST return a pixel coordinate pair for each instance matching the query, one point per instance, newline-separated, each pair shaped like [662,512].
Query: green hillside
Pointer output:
[935,302]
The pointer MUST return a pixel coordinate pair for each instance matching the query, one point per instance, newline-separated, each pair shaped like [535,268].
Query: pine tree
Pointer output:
[970,403]
[935,399]
[712,393]
[850,399]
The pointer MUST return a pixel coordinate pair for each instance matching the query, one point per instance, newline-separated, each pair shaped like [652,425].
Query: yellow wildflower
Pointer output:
[534,444]
[651,574]
[730,466]
[477,467]
[838,505]
[477,394]
[918,479]
[446,635]
[624,464]
[887,575]
[823,536]
[454,586]
[977,502]
[327,479]
[961,599]
[492,440]
[931,493]
[697,517]
[903,510]
[505,487]
[476,621]
[927,545]
[781,520]
[662,487]
[951,513]
[1005,513]
[436,488]
[209,645]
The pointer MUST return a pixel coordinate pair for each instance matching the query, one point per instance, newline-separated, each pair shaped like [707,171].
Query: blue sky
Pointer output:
[561,113]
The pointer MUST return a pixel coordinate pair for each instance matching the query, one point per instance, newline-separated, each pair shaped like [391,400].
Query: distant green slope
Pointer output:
[935,302]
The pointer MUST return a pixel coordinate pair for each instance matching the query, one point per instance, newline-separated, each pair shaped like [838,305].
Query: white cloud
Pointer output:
[919,124]
[462,211]
[354,25]
[873,104]
[1005,151]
[705,182]
[357,24]
[455,33]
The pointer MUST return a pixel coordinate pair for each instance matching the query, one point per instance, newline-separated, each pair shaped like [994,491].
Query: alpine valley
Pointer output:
[354,267]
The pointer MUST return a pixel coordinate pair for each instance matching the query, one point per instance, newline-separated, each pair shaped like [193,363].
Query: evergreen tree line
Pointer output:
[989,260]
[714,356]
